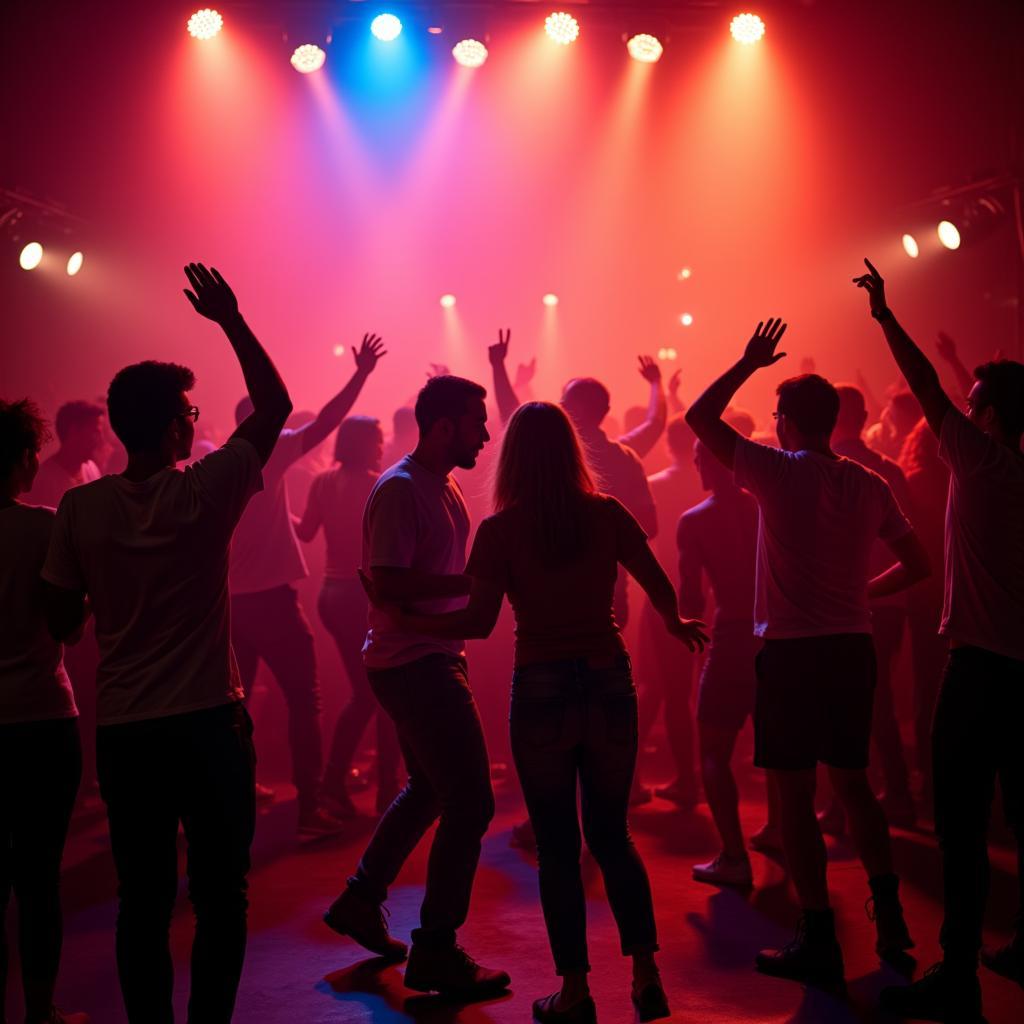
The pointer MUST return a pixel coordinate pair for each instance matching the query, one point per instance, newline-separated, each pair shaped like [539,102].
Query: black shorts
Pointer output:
[814,701]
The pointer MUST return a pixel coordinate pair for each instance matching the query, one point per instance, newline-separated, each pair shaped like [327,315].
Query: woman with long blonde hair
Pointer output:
[553,545]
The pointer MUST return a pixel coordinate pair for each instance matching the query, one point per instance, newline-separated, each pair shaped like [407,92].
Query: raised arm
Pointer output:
[647,571]
[330,416]
[504,393]
[644,437]
[675,403]
[915,366]
[705,415]
[212,298]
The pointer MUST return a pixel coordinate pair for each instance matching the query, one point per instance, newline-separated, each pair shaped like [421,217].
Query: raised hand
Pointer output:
[525,372]
[690,631]
[674,381]
[760,349]
[369,353]
[497,352]
[649,369]
[210,296]
[437,370]
[946,347]
[873,284]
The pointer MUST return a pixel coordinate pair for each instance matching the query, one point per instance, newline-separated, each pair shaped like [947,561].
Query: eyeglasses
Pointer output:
[776,414]
[191,413]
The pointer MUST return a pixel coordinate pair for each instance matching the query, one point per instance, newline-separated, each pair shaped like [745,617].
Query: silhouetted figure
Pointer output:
[149,549]
[820,515]
[554,546]
[40,752]
[79,426]
[336,501]
[718,539]
[976,736]
[267,621]
[404,435]
[898,418]
[415,529]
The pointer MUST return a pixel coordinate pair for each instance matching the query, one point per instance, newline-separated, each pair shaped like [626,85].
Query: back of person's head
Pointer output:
[633,417]
[72,416]
[403,422]
[445,398]
[587,401]
[679,437]
[1000,388]
[905,410]
[143,400]
[23,431]
[358,442]
[810,403]
[543,471]
[853,410]
[740,420]
[920,452]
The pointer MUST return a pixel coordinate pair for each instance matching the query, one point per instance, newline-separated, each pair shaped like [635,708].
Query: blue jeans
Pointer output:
[575,723]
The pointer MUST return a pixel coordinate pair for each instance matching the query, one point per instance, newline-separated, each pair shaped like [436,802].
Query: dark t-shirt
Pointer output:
[563,611]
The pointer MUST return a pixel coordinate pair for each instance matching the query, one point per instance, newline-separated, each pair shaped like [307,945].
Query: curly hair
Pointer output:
[22,429]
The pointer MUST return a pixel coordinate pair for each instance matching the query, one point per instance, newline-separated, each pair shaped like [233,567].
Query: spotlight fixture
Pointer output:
[685,274]
[75,261]
[308,58]
[910,246]
[562,28]
[686,319]
[667,353]
[447,301]
[645,48]
[948,234]
[747,29]
[435,30]
[205,24]
[550,300]
[470,53]
[386,27]
[338,350]
[31,256]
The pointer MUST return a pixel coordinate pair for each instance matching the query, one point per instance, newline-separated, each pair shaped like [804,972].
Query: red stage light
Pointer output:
[562,28]
[205,24]
[645,48]
[910,246]
[308,58]
[747,29]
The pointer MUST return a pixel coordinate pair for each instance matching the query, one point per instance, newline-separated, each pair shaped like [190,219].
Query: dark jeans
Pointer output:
[271,625]
[887,623]
[197,769]
[432,706]
[929,652]
[342,606]
[576,724]
[40,767]
[976,736]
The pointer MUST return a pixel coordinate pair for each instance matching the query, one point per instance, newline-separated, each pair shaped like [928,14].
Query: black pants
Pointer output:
[271,625]
[976,737]
[342,606]
[432,706]
[197,769]
[887,623]
[576,725]
[40,767]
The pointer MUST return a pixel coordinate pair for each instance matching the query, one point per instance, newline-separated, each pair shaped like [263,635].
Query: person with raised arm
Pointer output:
[819,516]
[976,732]
[267,620]
[149,549]
[554,546]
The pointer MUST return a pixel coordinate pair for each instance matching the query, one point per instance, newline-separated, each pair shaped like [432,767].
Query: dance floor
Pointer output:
[297,970]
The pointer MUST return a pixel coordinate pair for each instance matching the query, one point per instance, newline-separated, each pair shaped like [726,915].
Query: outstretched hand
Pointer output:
[497,352]
[760,349]
[873,284]
[690,631]
[674,381]
[210,296]
[437,370]
[525,372]
[369,353]
[649,369]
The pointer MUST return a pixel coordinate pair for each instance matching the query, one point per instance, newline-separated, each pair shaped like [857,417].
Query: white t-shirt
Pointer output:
[414,519]
[983,601]
[819,519]
[53,480]
[153,558]
[265,552]
[33,683]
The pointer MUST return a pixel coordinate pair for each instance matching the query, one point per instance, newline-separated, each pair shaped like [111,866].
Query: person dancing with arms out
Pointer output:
[554,546]
[819,515]
[976,732]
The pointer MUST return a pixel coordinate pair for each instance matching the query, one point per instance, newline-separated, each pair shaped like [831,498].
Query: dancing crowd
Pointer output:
[158,590]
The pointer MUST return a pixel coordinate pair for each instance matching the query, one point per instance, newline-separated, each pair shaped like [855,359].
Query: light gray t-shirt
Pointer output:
[414,519]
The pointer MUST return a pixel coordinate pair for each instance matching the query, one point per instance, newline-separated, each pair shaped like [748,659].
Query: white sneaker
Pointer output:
[725,871]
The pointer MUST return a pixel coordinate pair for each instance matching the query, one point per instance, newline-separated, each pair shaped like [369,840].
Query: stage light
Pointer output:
[667,353]
[447,301]
[910,246]
[747,29]
[470,53]
[644,48]
[386,27]
[562,28]
[205,24]
[31,256]
[550,299]
[686,319]
[338,350]
[308,58]
[949,236]
[685,274]
[75,261]
[435,30]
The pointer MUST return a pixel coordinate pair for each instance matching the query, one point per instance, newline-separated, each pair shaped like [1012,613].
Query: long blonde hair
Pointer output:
[543,471]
